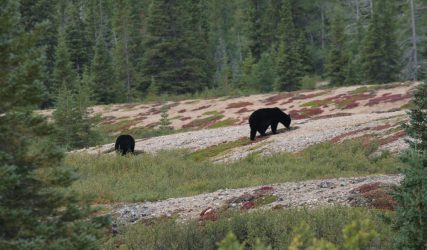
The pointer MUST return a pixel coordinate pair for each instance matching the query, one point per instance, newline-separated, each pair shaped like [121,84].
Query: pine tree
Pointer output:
[411,196]
[337,60]
[247,68]
[288,62]
[164,120]
[63,72]
[152,91]
[76,39]
[72,120]
[172,55]
[37,210]
[263,75]
[256,31]
[380,53]
[103,74]
[124,54]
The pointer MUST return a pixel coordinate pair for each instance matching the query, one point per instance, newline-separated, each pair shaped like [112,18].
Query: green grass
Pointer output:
[209,113]
[273,228]
[209,152]
[224,123]
[117,126]
[112,178]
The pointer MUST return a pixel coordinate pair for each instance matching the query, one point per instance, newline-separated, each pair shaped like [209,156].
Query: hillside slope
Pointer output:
[373,112]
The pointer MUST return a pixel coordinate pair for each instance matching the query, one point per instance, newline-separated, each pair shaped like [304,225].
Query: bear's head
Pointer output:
[285,120]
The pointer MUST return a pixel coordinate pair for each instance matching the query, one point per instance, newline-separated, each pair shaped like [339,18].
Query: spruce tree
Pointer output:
[337,59]
[380,53]
[263,74]
[256,31]
[74,126]
[102,73]
[63,72]
[76,39]
[288,62]
[411,196]
[37,210]
[124,53]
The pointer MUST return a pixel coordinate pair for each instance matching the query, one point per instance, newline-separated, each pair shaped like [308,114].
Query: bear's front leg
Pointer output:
[274,127]
[253,134]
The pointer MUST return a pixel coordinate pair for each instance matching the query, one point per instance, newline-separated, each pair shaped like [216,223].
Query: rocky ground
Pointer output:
[354,191]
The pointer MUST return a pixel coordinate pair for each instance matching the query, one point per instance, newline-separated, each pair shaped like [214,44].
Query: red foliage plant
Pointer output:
[238,105]
[305,113]
[388,98]
[242,110]
[392,138]
[278,97]
[202,107]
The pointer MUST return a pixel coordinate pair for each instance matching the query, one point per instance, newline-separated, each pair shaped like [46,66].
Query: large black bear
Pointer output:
[261,119]
[125,144]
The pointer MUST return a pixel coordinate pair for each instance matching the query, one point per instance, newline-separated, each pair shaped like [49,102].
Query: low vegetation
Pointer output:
[180,173]
[274,228]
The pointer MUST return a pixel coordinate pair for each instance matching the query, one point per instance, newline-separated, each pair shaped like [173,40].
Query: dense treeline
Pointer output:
[130,47]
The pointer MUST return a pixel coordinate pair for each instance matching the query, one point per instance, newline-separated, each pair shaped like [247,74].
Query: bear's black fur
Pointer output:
[125,144]
[261,119]
[46,104]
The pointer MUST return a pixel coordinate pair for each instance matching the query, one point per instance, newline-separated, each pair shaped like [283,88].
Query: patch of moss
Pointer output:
[212,113]
[360,90]
[114,127]
[216,150]
[264,200]
[316,103]
[224,123]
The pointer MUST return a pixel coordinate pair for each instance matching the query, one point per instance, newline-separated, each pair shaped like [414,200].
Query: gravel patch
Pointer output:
[312,193]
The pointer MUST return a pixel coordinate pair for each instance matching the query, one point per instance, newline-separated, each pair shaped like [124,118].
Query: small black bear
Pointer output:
[125,144]
[261,119]
[46,104]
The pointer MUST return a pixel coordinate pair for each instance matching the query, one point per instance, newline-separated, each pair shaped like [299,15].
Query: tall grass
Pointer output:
[112,178]
[271,227]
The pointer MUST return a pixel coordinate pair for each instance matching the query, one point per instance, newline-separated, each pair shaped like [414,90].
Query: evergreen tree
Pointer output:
[288,62]
[36,14]
[72,120]
[196,40]
[263,75]
[164,120]
[21,61]
[77,43]
[304,55]
[124,54]
[152,91]
[411,195]
[337,60]
[103,74]
[172,55]
[380,53]
[247,68]
[37,210]
[63,72]
[257,43]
